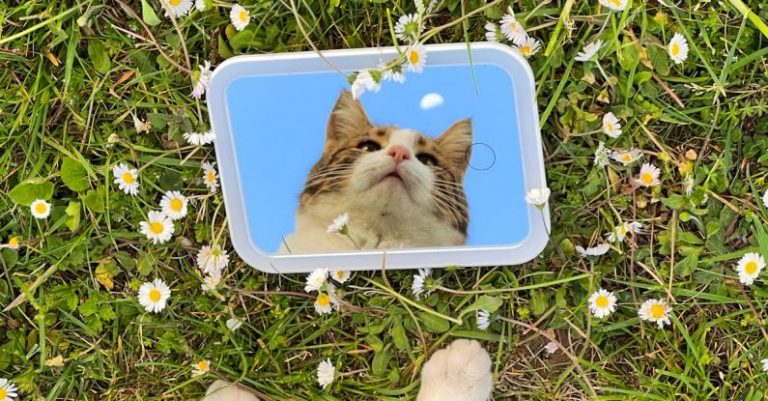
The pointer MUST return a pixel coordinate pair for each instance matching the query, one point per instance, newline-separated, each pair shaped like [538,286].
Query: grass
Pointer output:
[75,72]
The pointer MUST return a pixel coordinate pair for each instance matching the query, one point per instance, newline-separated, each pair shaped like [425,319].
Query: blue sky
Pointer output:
[278,127]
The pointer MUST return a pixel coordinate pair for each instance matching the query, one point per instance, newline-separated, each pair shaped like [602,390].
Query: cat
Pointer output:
[400,188]
[459,372]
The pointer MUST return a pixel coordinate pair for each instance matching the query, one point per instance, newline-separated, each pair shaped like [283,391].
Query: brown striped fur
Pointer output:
[425,201]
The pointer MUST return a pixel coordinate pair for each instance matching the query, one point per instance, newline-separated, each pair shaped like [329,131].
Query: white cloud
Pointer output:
[431,100]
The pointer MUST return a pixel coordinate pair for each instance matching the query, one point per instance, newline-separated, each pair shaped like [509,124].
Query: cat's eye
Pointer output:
[369,146]
[427,159]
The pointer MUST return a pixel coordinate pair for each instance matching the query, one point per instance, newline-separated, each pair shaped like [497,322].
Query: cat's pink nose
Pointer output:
[399,153]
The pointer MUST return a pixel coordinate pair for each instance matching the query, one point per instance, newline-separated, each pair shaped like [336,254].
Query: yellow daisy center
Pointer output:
[513,26]
[526,50]
[602,301]
[626,158]
[3,394]
[608,127]
[323,300]
[340,274]
[751,267]
[243,16]
[155,295]
[624,230]
[658,311]
[675,49]
[414,57]
[646,178]
[156,227]
[14,241]
[202,365]
[616,3]
[210,176]
[128,178]
[175,2]
[176,204]
[41,208]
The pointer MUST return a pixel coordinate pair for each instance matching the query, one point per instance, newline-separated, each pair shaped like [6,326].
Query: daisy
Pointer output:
[127,179]
[234,324]
[749,267]
[199,138]
[601,155]
[678,48]
[14,242]
[177,8]
[158,227]
[201,85]
[240,17]
[340,224]
[512,29]
[212,259]
[594,251]
[420,6]
[483,319]
[589,51]
[201,367]
[200,5]
[211,281]
[765,198]
[418,282]
[538,196]
[492,32]
[154,295]
[765,365]
[323,303]
[615,5]
[325,373]
[627,157]
[621,231]
[394,73]
[341,276]
[611,126]
[602,303]
[408,28]
[656,311]
[8,390]
[316,280]
[40,209]
[141,125]
[211,177]
[529,47]
[416,57]
[174,205]
[649,175]
[364,81]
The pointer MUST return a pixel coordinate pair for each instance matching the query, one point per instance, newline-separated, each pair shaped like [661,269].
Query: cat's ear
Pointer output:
[455,144]
[347,120]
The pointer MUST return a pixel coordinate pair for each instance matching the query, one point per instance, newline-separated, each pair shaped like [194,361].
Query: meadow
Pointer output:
[653,118]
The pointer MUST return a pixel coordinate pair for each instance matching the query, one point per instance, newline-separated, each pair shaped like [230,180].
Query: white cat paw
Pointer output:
[223,391]
[459,372]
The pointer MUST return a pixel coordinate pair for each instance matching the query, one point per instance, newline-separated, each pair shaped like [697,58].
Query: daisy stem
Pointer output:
[416,305]
[515,289]
[544,220]
[392,31]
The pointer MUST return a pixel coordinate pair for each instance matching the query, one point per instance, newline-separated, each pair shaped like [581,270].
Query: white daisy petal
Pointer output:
[602,303]
[655,311]
[211,177]
[154,295]
[589,51]
[611,125]
[316,280]
[649,175]
[201,367]
[240,17]
[408,28]
[601,155]
[40,209]
[528,47]
[201,85]
[415,58]
[627,157]
[512,29]
[212,259]
[174,205]
[615,5]
[340,224]
[418,282]
[177,8]
[678,48]
[325,373]
[158,227]
[538,196]
[483,320]
[749,267]
[127,179]
[599,250]
[8,390]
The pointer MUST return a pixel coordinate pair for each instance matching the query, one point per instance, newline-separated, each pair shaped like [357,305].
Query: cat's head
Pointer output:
[402,166]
